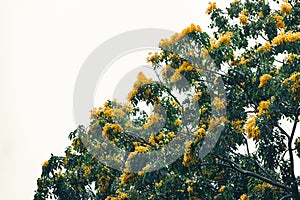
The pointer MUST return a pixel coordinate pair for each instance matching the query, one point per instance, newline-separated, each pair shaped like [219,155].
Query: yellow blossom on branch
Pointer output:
[45,164]
[263,107]
[243,19]
[285,9]
[211,7]
[219,103]
[252,129]
[263,80]
[244,197]
[189,189]
[279,21]
[159,184]
[177,122]
[222,188]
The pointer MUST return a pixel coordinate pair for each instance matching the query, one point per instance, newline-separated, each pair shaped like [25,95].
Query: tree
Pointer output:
[215,95]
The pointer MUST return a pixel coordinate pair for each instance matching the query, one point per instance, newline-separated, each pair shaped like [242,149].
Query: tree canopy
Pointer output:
[216,130]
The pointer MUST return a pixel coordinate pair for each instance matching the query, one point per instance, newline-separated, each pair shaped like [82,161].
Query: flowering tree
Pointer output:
[217,127]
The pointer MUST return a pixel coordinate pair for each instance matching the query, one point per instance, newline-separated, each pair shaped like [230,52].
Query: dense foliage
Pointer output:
[244,81]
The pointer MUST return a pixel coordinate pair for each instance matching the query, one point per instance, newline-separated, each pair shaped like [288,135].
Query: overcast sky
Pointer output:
[43,46]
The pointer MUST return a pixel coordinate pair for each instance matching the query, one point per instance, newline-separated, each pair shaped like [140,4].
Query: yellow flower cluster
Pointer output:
[263,107]
[211,7]
[215,123]
[265,187]
[184,67]
[178,36]
[187,156]
[159,184]
[197,96]
[177,122]
[243,17]
[103,182]
[266,47]
[295,77]
[292,57]
[141,149]
[238,124]
[224,39]
[200,133]
[252,129]
[87,170]
[176,77]
[115,128]
[171,134]
[152,119]
[189,189]
[279,21]
[260,15]
[218,103]
[45,164]
[286,9]
[141,81]
[244,197]
[222,188]
[125,177]
[121,195]
[95,112]
[263,80]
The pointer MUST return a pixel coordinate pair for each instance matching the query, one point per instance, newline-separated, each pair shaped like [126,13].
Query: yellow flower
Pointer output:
[171,134]
[225,39]
[189,189]
[142,80]
[268,46]
[132,94]
[177,122]
[152,140]
[200,133]
[159,184]
[125,177]
[222,188]
[286,8]
[263,107]
[121,195]
[238,124]
[191,28]
[176,77]
[251,128]
[152,119]
[211,7]
[263,80]
[243,19]
[244,197]
[260,14]
[187,157]
[280,23]
[218,103]
[141,149]
[197,96]
[45,164]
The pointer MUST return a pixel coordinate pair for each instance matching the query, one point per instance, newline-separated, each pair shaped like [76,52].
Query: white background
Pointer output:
[42,47]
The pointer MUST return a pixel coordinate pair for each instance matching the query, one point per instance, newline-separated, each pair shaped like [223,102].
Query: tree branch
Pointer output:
[140,138]
[286,196]
[292,171]
[252,174]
